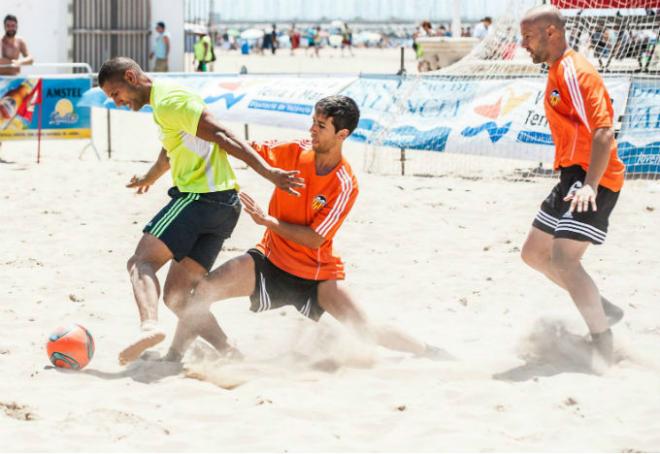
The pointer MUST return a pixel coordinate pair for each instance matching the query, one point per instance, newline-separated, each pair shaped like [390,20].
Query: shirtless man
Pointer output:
[14,49]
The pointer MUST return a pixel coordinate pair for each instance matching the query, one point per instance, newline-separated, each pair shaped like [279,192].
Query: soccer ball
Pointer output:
[70,347]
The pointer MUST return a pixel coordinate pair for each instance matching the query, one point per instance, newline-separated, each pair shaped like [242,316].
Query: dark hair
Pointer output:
[160,24]
[487,19]
[10,17]
[115,68]
[342,109]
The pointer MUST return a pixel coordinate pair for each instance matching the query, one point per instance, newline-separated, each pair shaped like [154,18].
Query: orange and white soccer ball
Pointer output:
[70,347]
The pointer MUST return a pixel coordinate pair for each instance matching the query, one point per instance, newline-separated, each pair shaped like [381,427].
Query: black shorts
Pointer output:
[195,225]
[275,288]
[555,219]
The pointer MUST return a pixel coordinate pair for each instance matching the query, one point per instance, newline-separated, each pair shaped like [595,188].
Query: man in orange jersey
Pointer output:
[575,214]
[294,264]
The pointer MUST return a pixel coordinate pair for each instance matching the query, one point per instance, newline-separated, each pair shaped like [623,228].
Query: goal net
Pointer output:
[483,116]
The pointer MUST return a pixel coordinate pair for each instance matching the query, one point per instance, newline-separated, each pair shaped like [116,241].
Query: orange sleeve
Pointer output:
[328,219]
[278,154]
[589,97]
[265,150]
[596,101]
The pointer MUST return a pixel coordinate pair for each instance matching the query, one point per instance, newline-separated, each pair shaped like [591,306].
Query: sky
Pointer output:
[350,10]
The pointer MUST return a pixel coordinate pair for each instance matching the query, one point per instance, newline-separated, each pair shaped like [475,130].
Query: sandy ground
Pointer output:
[438,257]
[381,61]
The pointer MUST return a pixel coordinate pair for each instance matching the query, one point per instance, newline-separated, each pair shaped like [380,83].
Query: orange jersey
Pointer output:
[576,104]
[324,203]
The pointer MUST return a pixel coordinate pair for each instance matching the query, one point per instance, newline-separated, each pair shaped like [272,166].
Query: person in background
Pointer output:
[482,28]
[273,39]
[347,39]
[294,38]
[318,41]
[161,49]
[203,51]
[14,49]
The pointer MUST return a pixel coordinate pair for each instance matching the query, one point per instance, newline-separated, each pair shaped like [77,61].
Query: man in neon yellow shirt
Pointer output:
[204,208]
[202,50]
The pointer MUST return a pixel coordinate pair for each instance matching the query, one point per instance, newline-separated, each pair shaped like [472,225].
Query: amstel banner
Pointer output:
[45,105]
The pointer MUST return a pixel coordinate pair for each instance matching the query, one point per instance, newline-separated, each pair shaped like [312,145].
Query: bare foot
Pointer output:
[149,336]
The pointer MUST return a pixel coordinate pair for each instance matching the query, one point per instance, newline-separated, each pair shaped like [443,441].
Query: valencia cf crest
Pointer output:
[318,202]
[554,97]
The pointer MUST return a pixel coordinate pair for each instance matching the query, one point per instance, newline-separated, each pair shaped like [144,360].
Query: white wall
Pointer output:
[171,12]
[44,26]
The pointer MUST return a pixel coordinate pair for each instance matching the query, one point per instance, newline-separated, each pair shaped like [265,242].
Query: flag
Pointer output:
[26,109]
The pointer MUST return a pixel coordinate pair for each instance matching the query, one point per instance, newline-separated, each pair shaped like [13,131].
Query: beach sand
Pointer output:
[437,257]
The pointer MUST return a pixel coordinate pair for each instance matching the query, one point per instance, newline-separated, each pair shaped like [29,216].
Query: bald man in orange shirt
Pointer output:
[576,213]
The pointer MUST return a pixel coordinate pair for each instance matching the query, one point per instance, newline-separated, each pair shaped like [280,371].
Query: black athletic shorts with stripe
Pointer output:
[196,225]
[275,288]
[554,216]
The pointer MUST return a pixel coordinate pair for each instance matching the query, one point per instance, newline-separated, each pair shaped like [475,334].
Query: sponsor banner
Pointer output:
[507,118]
[498,117]
[415,113]
[639,139]
[21,100]
[490,117]
[284,101]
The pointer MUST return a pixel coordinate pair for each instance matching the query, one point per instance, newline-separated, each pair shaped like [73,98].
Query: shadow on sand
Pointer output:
[550,350]
[147,369]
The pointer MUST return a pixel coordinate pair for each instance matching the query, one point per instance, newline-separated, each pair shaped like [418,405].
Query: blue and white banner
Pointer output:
[406,113]
[639,140]
[491,117]
[283,101]
[502,118]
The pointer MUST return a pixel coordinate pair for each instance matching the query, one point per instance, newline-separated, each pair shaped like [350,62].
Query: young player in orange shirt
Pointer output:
[294,264]
[576,212]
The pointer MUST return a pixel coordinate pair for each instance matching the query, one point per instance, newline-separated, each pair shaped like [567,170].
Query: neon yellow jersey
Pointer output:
[198,49]
[196,165]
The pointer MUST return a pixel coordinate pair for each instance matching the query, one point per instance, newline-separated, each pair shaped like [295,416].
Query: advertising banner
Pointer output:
[491,117]
[47,103]
[283,101]
[639,139]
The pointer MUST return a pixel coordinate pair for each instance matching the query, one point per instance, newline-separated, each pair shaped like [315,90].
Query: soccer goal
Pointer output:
[483,116]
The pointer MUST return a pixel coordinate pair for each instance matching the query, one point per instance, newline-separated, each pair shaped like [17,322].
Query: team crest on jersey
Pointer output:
[318,202]
[554,97]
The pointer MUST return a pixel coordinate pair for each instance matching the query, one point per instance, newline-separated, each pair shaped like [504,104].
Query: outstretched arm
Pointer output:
[157,170]
[211,130]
